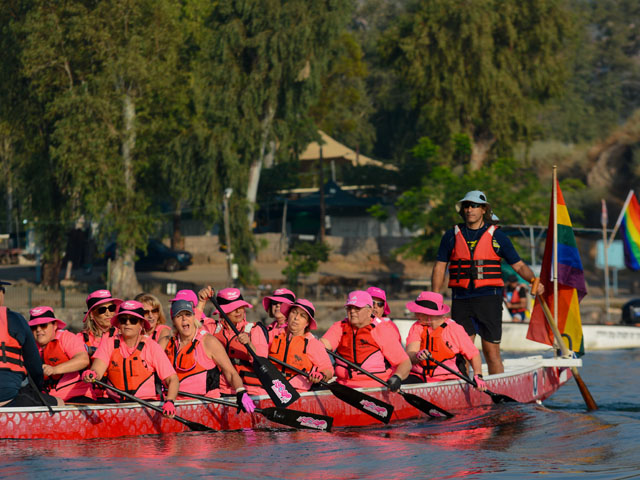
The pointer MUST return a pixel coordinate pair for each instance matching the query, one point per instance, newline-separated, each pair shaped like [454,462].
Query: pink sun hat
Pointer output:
[133,308]
[359,298]
[429,303]
[281,295]
[376,292]
[44,314]
[230,299]
[98,298]
[304,304]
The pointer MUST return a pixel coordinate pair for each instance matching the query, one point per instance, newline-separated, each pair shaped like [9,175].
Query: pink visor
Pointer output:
[44,314]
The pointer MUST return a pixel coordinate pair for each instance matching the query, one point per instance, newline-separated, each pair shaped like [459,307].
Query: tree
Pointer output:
[479,68]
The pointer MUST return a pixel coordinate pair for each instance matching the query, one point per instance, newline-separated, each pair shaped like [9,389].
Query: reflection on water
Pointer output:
[557,440]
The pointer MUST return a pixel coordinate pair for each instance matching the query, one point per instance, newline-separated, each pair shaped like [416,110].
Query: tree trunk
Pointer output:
[256,166]
[480,148]
[177,239]
[124,282]
[51,272]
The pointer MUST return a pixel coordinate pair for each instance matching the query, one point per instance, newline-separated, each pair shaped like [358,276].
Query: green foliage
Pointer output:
[378,212]
[304,259]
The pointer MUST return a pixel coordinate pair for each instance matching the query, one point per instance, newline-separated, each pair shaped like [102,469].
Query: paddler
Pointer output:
[255,335]
[154,313]
[473,250]
[381,310]
[198,357]
[101,307]
[21,376]
[372,345]
[130,360]
[436,335]
[63,356]
[297,346]
[273,306]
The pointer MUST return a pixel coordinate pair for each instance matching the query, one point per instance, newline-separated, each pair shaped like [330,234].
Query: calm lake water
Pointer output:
[558,440]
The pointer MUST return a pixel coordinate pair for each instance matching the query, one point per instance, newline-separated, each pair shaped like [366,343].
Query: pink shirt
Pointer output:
[385,336]
[152,354]
[456,338]
[70,384]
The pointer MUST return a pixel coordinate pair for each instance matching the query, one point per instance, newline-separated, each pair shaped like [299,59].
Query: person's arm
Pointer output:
[173,385]
[19,329]
[217,353]
[203,295]
[403,369]
[98,367]
[525,272]
[412,350]
[437,276]
[76,363]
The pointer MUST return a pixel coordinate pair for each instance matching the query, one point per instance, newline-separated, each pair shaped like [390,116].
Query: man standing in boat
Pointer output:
[474,250]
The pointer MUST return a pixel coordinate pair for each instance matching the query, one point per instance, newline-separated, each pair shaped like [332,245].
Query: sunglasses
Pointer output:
[154,311]
[103,310]
[43,326]
[379,304]
[471,205]
[130,320]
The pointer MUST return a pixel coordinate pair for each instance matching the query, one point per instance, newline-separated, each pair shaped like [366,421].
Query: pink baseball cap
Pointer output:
[188,295]
[44,314]
[98,298]
[230,299]
[376,292]
[429,303]
[281,295]
[304,304]
[359,298]
[133,308]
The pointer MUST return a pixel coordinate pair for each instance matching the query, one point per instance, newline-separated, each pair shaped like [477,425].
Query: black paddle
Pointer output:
[496,397]
[278,388]
[418,402]
[39,393]
[284,416]
[195,426]
[365,403]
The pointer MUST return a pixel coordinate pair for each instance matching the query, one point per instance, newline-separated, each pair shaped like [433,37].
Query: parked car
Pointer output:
[157,257]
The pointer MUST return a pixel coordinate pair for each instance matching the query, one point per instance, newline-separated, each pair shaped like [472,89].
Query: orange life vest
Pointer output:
[358,346]
[10,348]
[515,298]
[128,374]
[87,340]
[484,269]
[185,362]
[292,351]
[53,355]
[238,354]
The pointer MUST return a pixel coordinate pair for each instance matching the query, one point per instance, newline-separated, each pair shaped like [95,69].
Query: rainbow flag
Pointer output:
[630,231]
[571,284]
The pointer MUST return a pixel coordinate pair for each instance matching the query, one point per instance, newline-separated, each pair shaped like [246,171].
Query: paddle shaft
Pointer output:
[192,425]
[40,396]
[365,403]
[497,397]
[418,402]
[584,391]
[275,384]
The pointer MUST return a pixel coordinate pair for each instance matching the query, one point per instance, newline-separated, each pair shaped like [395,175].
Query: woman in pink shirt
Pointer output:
[130,360]
[299,348]
[63,355]
[153,312]
[101,307]
[437,335]
[381,310]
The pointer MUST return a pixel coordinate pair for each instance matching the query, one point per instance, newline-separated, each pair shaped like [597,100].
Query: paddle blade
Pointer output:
[499,398]
[272,380]
[297,419]
[366,403]
[195,426]
[425,406]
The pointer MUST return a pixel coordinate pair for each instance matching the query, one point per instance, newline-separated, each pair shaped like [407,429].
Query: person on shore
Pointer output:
[153,312]
[273,306]
[198,358]
[515,298]
[101,307]
[381,310]
[435,335]
[297,346]
[252,334]
[21,376]
[372,345]
[130,361]
[473,250]
[63,355]
[2,291]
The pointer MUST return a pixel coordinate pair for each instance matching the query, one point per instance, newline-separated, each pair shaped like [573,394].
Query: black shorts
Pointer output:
[480,315]
[28,397]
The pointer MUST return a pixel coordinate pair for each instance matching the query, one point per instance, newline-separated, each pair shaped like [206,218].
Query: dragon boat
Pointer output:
[526,380]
